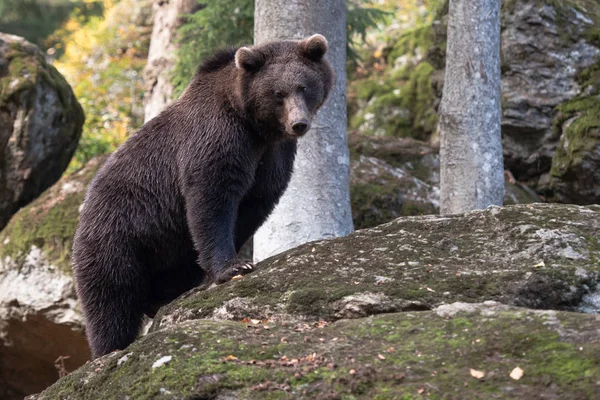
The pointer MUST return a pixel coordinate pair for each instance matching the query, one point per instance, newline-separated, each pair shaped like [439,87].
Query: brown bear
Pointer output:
[172,206]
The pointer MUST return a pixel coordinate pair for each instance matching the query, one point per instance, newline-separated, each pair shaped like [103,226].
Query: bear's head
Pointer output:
[283,84]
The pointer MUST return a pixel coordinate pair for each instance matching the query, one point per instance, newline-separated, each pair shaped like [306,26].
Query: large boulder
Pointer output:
[40,319]
[394,177]
[40,124]
[460,306]
[550,92]
[575,173]
[545,47]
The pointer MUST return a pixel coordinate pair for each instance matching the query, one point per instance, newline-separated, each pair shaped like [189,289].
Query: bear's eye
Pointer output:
[279,94]
[302,88]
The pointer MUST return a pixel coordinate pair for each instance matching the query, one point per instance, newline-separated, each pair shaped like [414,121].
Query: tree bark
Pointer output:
[316,204]
[162,52]
[470,113]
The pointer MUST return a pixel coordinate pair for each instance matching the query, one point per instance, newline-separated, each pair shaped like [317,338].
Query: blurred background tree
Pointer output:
[36,20]
[102,59]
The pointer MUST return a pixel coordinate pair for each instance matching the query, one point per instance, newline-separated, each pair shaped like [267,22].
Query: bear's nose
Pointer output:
[300,126]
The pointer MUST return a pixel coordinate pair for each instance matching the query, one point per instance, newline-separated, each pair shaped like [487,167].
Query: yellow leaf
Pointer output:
[516,373]
[477,374]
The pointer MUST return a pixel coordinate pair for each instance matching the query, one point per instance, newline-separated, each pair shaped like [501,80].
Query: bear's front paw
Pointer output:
[235,267]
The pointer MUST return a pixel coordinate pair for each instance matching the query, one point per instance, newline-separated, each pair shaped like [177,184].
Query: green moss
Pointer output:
[308,301]
[50,230]
[49,223]
[398,101]
[580,135]
[395,356]
[26,68]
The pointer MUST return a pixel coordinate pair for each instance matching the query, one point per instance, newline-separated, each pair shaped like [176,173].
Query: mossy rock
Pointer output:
[394,177]
[540,256]
[41,318]
[48,224]
[575,172]
[411,355]
[40,123]
[549,52]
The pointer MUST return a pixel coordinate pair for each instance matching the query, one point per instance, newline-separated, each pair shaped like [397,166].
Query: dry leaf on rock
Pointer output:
[516,373]
[477,374]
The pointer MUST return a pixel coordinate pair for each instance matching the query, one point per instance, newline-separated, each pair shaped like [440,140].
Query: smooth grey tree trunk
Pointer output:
[470,114]
[162,52]
[316,204]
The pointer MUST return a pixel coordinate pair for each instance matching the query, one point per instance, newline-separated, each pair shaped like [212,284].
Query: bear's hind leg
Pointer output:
[113,299]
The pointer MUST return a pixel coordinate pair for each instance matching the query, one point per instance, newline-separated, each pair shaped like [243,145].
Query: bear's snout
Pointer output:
[300,126]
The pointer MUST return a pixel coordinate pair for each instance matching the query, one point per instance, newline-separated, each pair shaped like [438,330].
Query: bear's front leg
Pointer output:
[211,215]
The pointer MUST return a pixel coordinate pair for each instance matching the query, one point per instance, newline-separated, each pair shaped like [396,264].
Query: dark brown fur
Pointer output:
[174,204]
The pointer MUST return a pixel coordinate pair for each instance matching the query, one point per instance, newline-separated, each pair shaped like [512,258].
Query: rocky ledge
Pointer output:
[481,305]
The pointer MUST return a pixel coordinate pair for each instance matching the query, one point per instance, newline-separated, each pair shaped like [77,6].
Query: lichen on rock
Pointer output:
[40,124]
[40,318]
[380,357]
[539,256]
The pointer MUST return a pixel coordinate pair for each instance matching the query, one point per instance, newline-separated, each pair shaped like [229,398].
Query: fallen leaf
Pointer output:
[540,264]
[477,374]
[516,373]
[420,390]
[352,372]
[430,289]
[237,277]
[381,356]
[255,321]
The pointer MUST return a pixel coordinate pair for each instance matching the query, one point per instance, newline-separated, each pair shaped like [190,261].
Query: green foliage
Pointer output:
[103,61]
[231,23]
[217,24]
[35,20]
[360,16]
[391,93]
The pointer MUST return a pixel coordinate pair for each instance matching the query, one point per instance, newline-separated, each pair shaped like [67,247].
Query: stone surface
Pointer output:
[40,318]
[40,124]
[540,256]
[545,45]
[406,272]
[550,92]
[410,355]
[394,177]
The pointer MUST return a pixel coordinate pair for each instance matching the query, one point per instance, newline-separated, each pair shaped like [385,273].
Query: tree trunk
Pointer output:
[316,204]
[470,113]
[161,55]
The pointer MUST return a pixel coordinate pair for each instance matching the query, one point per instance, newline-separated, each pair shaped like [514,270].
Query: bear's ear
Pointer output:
[314,48]
[248,59]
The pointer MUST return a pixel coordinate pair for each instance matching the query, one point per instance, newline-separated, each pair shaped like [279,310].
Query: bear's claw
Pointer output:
[236,267]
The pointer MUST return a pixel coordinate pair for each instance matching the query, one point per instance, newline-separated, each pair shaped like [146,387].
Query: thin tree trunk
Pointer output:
[316,204]
[162,52]
[470,114]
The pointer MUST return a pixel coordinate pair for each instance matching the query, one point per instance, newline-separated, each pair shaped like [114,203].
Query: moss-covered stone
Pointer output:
[41,318]
[548,48]
[575,169]
[42,119]
[48,224]
[538,256]
[394,356]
